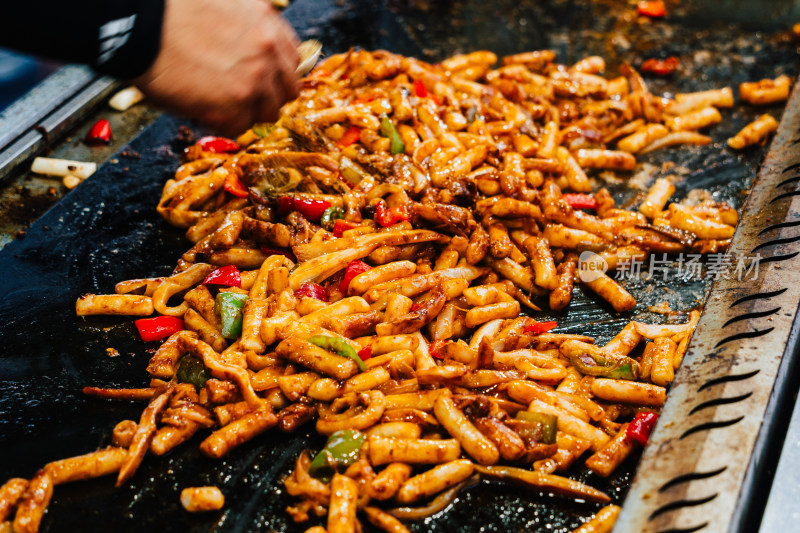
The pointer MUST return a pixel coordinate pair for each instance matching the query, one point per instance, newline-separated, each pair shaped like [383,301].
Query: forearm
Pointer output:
[118,37]
[227,63]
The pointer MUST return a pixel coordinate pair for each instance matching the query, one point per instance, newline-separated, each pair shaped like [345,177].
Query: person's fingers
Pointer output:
[287,78]
[230,120]
[287,58]
[271,98]
[285,30]
[280,82]
[226,63]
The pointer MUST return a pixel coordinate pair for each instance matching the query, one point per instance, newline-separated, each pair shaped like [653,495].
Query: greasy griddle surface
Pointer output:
[107,230]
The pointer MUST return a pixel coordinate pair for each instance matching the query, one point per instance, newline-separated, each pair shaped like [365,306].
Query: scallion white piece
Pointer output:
[62,167]
[126,98]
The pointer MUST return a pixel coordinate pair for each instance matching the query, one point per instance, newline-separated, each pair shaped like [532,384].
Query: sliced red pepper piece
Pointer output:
[420,89]
[311,208]
[365,353]
[99,133]
[540,327]
[234,186]
[309,289]
[227,276]
[341,225]
[351,136]
[660,67]
[219,145]
[651,8]
[285,205]
[640,428]
[391,216]
[278,251]
[353,269]
[435,349]
[397,214]
[580,201]
[157,328]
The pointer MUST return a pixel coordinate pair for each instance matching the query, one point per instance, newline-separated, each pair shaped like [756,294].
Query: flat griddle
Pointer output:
[107,230]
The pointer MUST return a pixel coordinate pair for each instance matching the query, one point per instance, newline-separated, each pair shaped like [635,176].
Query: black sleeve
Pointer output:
[116,37]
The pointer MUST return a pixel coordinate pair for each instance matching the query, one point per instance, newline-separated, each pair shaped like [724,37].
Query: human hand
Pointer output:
[227,63]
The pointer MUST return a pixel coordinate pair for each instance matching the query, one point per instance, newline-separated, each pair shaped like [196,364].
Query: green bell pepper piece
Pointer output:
[341,450]
[605,367]
[330,216]
[191,370]
[263,129]
[548,422]
[338,345]
[228,306]
[388,130]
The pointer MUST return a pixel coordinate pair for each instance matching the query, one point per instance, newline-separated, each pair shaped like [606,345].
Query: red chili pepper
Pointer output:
[285,205]
[641,427]
[389,217]
[227,276]
[421,91]
[540,327]
[157,328]
[435,349]
[660,67]
[341,225]
[100,133]
[278,251]
[353,269]
[651,8]
[309,289]
[219,145]
[310,208]
[365,353]
[350,136]
[580,201]
[234,186]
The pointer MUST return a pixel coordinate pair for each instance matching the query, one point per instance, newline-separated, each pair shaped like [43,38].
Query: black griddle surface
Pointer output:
[107,230]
